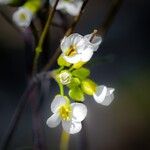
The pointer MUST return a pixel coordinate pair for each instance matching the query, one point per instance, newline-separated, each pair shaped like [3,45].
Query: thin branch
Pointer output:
[43,35]
[68,32]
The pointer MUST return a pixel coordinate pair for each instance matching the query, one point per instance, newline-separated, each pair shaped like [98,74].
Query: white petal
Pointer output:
[71,127]
[87,55]
[53,121]
[104,95]
[57,102]
[109,97]
[73,39]
[79,112]
[22,23]
[60,4]
[73,59]
[73,8]
[95,42]
[100,94]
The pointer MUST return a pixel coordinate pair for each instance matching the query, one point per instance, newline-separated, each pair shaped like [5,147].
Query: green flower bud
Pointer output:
[88,86]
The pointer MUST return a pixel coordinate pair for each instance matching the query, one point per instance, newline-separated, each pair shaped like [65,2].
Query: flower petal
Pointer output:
[109,97]
[57,102]
[86,55]
[71,127]
[73,8]
[73,39]
[100,94]
[60,5]
[104,95]
[53,121]
[95,42]
[73,59]
[79,112]
[25,22]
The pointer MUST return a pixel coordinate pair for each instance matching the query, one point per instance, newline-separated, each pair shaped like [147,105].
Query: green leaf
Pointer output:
[81,73]
[62,62]
[76,94]
[74,83]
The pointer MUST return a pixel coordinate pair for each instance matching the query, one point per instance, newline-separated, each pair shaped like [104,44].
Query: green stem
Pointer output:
[64,143]
[61,87]
[39,50]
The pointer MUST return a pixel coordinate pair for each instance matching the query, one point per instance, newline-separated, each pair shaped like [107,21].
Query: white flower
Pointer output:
[5,2]
[72,7]
[104,95]
[65,77]
[76,48]
[70,115]
[23,17]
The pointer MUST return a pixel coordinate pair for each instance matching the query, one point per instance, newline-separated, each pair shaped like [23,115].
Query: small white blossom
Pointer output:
[5,2]
[72,7]
[77,48]
[70,115]
[65,77]
[104,95]
[23,17]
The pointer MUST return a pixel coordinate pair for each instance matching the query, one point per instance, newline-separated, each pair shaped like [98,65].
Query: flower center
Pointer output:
[71,51]
[22,17]
[65,112]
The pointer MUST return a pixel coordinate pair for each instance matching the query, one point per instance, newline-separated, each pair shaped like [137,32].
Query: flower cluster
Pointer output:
[77,50]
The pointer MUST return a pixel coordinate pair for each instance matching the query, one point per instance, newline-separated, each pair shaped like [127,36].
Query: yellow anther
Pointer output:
[65,112]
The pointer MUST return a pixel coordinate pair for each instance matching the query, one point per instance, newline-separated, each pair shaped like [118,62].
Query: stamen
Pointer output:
[71,51]
[65,112]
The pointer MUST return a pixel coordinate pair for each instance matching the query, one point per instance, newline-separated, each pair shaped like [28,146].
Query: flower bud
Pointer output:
[88,86]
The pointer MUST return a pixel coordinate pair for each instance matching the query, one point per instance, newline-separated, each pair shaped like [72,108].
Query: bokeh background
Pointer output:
[122,62]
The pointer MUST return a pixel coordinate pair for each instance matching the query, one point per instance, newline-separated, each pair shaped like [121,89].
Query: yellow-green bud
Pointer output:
[88,86]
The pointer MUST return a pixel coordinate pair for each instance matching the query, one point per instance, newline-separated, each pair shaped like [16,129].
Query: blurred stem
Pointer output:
[38,50]
[64,142]
[68,32]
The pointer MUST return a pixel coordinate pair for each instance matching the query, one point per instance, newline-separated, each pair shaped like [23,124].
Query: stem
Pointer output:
[64,143]
[68,32]
[38,50]
[61,87]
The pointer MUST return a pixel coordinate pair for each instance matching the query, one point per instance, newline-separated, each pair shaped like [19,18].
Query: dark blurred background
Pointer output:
[121,62]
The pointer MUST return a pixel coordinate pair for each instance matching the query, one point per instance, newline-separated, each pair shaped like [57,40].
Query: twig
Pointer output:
[43,35]
[68,32]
